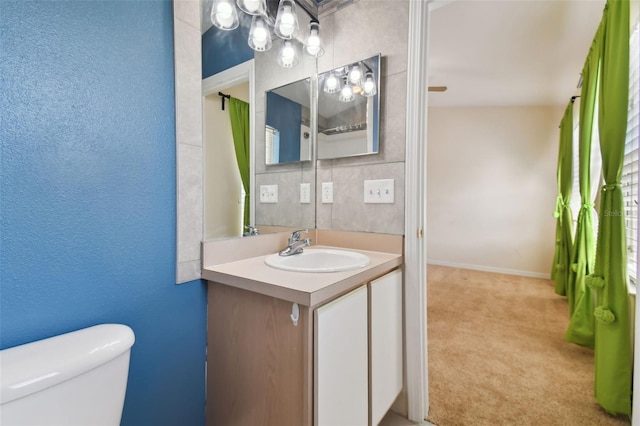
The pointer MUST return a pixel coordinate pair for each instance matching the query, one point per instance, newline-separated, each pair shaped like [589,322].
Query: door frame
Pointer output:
[415,275]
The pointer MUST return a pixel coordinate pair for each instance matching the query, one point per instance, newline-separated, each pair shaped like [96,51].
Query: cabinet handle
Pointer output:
[295,314]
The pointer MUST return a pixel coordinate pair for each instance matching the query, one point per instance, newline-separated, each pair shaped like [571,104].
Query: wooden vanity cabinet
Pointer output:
[341,364]
[257,360]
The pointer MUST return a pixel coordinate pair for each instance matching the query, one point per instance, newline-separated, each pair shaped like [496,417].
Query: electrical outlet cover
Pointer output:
[327,192]
[305,193]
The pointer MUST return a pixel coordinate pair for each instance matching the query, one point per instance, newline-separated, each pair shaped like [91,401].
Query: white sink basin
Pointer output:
[319,260]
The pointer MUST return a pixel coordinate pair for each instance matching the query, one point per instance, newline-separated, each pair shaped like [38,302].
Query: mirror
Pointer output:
[288,123]
[349,110]
[278,185]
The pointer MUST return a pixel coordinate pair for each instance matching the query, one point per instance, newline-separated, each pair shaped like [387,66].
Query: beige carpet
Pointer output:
[497,354]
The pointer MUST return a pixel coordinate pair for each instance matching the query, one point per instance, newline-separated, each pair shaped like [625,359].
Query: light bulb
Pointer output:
[369,86]
[314,43]
[286,26]
[355,75]
[259,36]
[251,6]
[287,56]
[346,94]
[331,84]
[224,15]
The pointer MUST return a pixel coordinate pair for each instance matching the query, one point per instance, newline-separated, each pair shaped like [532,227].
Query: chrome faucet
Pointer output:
[296,245]
[250,230]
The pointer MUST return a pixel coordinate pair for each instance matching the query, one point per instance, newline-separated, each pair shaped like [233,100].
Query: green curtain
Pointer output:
[613,357]
[581,303]
[240,127]
[564,220]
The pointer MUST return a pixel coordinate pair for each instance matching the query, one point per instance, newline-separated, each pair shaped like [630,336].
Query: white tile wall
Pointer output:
[188,87]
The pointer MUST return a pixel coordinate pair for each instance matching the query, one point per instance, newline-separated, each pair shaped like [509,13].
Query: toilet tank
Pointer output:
[77,378]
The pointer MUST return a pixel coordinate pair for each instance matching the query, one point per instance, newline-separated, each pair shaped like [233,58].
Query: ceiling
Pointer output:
[506,52]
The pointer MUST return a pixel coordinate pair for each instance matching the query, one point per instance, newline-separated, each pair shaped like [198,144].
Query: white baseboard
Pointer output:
[488,269]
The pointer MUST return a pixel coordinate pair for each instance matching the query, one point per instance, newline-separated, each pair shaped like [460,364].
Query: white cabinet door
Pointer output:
[386,343]
[341,361]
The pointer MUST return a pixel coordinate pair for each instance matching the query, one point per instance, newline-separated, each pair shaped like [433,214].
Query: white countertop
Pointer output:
[306,288]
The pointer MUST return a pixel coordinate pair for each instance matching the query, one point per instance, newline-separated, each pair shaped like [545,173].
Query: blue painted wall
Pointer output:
[285,115]
[87,196]
[222,50]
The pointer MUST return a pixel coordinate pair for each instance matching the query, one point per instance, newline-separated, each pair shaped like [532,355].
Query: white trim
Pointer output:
[635,408]
[489,269]
[415,214]
[233,76]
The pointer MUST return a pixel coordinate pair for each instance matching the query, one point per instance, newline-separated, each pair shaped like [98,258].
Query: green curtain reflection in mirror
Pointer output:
[240,127]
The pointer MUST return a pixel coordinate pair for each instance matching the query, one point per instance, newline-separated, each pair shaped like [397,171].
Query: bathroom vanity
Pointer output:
[304,348]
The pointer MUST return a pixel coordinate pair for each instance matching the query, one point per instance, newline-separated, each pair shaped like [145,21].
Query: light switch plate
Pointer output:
[379,191]
[268,194]
[305,193]
[327,192]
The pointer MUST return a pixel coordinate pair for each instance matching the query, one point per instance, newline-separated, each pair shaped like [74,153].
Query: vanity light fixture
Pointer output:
[348,81]
[313,46]
[286,20]
[331,84]
[287,57]
[224,15]
[259,35]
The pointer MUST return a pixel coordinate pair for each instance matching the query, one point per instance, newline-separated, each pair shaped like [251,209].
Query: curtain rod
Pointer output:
[573,98]
[223,98]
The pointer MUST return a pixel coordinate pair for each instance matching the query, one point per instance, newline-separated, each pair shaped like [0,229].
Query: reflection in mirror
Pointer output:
[288,132]
[349,110]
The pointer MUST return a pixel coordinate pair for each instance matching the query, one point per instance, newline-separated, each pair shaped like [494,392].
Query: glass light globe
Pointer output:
[314,43]
[346,94]
[369,86]
[249,6]
[286,26]
[331,84]
[355,74]
[224,15]
[259,36]
[287,57]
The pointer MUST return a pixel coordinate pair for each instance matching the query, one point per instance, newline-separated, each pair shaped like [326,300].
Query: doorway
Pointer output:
[223,190]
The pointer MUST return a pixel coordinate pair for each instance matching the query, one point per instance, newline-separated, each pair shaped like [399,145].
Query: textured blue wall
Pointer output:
[285,115]
[222,50]
[87,196]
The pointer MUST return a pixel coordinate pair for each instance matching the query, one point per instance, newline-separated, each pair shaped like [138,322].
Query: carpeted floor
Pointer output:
[497,354]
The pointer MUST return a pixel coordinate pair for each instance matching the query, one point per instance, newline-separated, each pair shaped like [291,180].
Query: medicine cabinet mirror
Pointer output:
[288,130]
[349,110]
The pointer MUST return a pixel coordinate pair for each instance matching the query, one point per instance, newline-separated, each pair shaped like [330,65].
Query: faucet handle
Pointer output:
[295,235]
